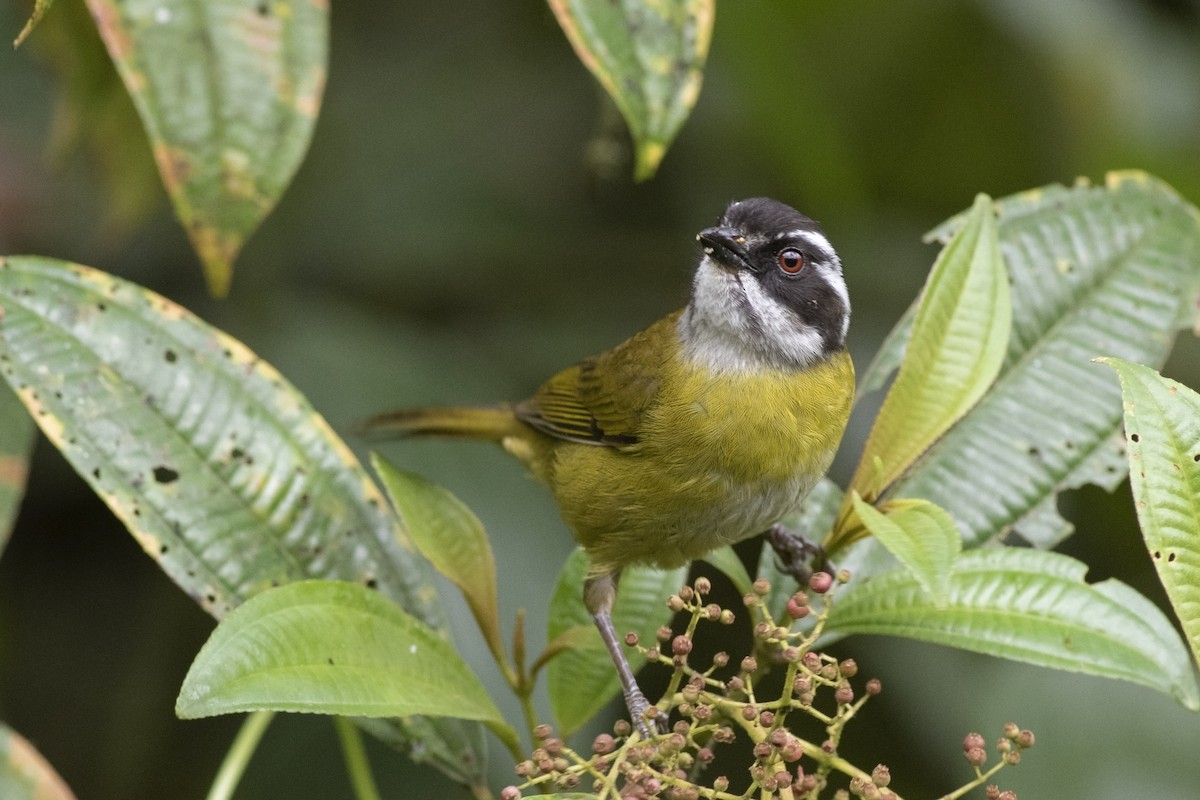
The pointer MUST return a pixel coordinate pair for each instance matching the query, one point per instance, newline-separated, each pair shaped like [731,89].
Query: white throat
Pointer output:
[733,325]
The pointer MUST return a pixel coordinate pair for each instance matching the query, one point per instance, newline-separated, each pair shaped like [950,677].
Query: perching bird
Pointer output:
[705,428]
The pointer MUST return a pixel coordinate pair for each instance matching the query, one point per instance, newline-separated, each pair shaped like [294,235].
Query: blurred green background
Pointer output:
[460,230]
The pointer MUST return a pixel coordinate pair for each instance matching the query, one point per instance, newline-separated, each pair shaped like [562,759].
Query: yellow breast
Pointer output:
[719,458]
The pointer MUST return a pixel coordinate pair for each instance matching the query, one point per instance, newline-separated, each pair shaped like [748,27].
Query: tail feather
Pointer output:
[489,423]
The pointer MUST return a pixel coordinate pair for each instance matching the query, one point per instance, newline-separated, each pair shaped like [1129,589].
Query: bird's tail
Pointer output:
[487,423]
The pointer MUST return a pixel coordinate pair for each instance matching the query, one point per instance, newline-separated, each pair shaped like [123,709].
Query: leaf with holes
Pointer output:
[220,469]
[582,681]
[228,92]
[1031,606]
[25,774]
[649,57]
[1162,423]
[1095,270]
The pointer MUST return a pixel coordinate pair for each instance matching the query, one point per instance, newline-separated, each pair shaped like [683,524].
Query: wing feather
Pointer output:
[602,400]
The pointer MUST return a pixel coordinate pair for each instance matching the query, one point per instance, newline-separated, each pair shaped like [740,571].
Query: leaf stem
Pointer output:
[243,747]
[355,755]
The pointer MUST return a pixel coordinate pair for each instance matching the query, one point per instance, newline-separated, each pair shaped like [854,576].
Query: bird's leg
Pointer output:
[797,556]
[599,592]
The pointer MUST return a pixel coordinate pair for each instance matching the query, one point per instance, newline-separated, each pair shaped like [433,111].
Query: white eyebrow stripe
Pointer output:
[816,240]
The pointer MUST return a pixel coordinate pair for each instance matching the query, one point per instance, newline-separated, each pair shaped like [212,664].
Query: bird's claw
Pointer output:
[649,727]
[796,555]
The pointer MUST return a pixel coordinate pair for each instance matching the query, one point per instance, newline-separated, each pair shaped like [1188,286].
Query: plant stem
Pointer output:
[530,713]
[355,754]
[239,754]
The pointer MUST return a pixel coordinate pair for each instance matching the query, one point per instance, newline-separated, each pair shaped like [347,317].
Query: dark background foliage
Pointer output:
[464,225]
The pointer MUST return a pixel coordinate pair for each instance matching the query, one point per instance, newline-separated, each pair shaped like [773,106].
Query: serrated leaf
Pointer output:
[331,647]
[16,442]
[649,57]
[24,772]
[1031,606]
[219,468]
[228,92]
[1095,270]
[452,538]
[921,536]
[956,346]
[1162,424]
[726,560]
[582,681]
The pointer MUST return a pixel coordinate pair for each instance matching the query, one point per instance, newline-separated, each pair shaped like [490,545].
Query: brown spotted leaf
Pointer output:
[228,91]
[649,57]
[217,465]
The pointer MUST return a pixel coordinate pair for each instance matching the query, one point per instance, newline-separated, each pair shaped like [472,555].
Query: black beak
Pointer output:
[727,247]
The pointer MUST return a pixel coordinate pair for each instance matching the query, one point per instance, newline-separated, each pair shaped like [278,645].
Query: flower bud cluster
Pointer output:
[711,705]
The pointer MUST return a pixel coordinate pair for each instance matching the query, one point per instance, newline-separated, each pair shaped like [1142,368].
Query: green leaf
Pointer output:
[16,441]
[331,647]
[40,7]
[228,92]
[25,774]
[452,538]
[649,57]
[921,536]
[958,341]
[1096,270]
[726,560]
[220,469]
[582,681]
[1162,426]
[1032,606]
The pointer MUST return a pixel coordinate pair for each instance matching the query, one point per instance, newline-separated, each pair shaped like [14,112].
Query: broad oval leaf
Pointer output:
[649,57]
[452,538]
[582,681]
[217,465]
[1096,270]
[1032,606]
[955,349]
[331,647]
[921,536]
[1162,426]
[228,92]
[24,772]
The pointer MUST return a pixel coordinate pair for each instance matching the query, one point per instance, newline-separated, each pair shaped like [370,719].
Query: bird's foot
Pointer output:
[638,706]
[795,554]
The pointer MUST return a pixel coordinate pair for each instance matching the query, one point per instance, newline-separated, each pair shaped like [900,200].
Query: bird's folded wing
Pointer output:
[603,399]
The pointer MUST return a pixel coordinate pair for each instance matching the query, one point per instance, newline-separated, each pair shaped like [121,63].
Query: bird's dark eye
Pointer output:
[791,260]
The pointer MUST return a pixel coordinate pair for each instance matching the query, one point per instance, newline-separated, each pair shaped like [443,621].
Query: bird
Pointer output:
[704,429]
